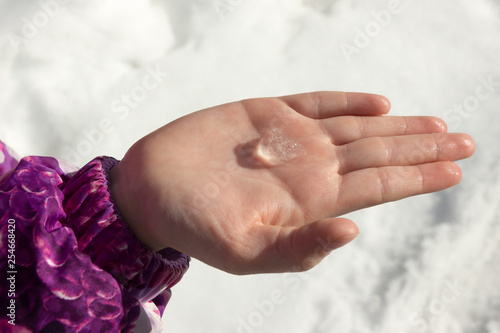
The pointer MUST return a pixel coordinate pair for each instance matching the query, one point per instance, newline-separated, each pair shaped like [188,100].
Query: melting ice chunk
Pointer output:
[275,147]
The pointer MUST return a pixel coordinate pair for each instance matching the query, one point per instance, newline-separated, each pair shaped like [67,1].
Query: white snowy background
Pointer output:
[423,264]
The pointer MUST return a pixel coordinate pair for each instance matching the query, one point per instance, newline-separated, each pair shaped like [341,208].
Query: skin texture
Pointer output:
[196,186]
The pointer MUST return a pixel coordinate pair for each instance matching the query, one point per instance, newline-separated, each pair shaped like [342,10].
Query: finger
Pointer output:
[293,249]
[325,104]
[374,186]
[404,150]
[347,129]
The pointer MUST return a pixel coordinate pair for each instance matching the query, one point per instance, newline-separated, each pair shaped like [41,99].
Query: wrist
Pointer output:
[131,208]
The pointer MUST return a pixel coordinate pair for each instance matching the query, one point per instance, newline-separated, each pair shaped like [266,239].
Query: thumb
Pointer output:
[300,249]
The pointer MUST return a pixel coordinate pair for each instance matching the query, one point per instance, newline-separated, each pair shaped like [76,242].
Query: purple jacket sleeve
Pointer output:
[68,261]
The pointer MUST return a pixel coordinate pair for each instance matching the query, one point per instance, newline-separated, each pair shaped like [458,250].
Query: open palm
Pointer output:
[207,185]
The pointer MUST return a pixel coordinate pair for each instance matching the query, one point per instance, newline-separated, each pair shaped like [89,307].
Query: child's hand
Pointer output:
[206,186]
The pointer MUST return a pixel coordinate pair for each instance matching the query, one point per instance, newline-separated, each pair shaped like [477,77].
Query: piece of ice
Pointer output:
[275,147]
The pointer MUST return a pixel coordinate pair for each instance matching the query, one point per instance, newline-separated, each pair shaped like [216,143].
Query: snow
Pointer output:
[85,78]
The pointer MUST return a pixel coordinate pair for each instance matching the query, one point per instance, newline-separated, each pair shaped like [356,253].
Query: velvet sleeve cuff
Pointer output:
[76,264]
[102,234]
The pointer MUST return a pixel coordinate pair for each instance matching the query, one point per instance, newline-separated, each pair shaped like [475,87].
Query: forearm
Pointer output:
[73,250]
